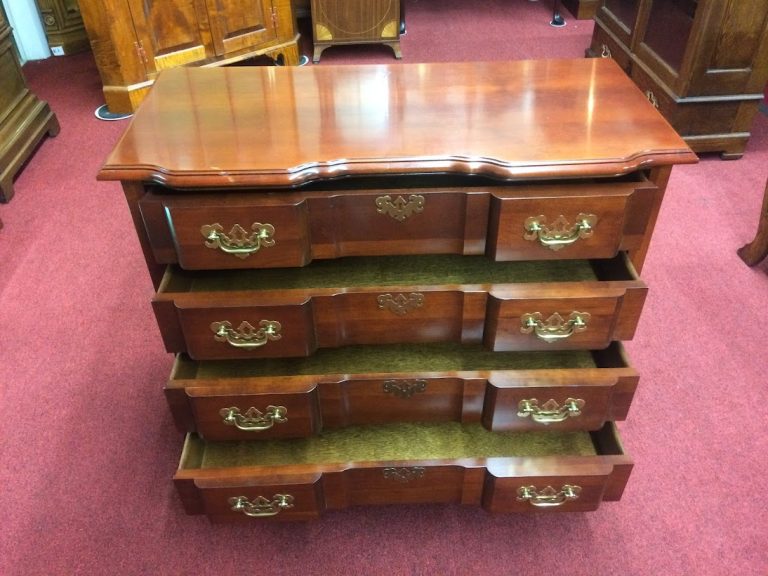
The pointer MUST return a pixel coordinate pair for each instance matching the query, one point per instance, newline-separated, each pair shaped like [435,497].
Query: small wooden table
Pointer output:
[757,250]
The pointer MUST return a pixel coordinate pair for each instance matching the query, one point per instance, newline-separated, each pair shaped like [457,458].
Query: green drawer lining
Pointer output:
[447,357]
[397,442]
[393,270]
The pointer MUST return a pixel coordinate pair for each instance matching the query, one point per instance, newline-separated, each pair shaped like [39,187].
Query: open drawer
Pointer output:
[336,388]
[291,312]
[402,464]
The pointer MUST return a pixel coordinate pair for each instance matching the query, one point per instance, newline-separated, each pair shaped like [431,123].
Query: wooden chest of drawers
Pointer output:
[397,284]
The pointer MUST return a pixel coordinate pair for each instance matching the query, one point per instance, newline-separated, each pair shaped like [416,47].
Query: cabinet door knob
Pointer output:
[238,241]
[246,335]
[254,420]
[555,327]
[550,411]
[261,506]
[548,496]
[559,233]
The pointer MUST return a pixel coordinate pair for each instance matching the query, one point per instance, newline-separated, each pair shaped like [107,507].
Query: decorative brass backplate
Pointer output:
[254,420]
[238,241]
[555,327]
[548,496]
[400,208]
[261,506]
[550,411]
[559,233]
[404,474]
[400,304]
[246,335]
[404,388]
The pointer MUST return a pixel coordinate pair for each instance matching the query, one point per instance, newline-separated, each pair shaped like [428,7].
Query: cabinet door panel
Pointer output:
[171,32]
[239,24]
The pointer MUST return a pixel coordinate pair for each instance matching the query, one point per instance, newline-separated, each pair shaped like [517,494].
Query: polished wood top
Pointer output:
[282,126]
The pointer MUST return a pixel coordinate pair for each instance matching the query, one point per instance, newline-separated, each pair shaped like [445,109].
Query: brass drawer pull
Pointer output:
[238,242]
[246,335]
[555,327]
[400,304]
[560,233]
[652,98]
[548,496]
[404,388]
[550,411]
[400,208]
[254,420]
[261,507]
[606,53]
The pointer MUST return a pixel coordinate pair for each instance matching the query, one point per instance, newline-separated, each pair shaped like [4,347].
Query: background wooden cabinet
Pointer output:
[703,63]
[24,118]
[336,22]
[133,40]
[63,26]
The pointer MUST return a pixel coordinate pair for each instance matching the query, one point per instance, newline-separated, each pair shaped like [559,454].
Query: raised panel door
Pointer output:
[733,58]
[171,33]
[619,17]
[241,24]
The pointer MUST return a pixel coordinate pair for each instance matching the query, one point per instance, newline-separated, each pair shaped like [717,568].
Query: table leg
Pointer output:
[757,250]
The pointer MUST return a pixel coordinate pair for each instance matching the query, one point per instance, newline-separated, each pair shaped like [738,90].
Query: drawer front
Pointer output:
[549,320]
[245,407]
[263,230]
[604,45]
[574,221]
[210,329]
[222,332]
[238,500]
[227,231]
[513,491]
[497,484]
[290,229]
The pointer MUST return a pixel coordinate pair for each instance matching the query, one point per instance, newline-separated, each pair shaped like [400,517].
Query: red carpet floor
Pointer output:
[88,449]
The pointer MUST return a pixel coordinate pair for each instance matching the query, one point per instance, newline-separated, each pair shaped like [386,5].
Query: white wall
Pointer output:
[27,29]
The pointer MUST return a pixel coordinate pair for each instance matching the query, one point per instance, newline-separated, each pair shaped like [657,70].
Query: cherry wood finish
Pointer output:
[134,40]
[340,22]
[64,26]
[491,483]
[703,63]
[757,250]
[197,392]
[201,129]
[199,152]
[24,119]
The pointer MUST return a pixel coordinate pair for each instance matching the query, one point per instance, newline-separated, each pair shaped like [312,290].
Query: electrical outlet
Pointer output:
[57,50]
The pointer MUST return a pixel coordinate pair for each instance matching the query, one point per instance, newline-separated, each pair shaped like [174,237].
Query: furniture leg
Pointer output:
[757,250]
[557,20]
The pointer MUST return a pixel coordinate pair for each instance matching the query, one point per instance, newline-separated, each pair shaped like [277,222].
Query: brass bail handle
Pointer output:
[555,327]
[560,233]
[548,497]
[261,507]
[550,412]
[238,242]
[246,335]
[254,420]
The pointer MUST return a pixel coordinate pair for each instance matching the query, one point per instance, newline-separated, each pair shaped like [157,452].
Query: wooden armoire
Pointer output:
[702,63]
